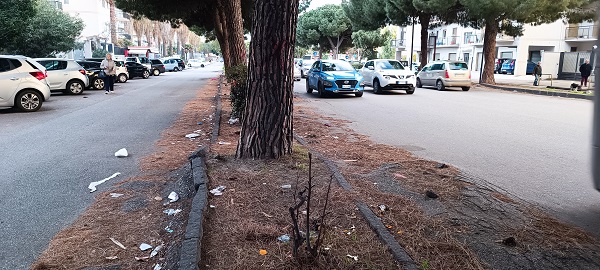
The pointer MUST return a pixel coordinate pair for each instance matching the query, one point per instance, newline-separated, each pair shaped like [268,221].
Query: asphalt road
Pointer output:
[535,147]
[49,157]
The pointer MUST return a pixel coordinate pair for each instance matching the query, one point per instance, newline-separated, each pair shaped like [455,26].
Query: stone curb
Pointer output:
[538,92]
[192,242]
[375,223]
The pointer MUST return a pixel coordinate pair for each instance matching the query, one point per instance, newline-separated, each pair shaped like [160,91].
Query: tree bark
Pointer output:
[489,51]
[424,20]
[233,28]
[221,36]
[267,129]
[113,22]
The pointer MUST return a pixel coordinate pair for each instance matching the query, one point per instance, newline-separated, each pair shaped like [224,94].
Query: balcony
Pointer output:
[448,41]
[473,39]
[504,38]
[582,33]
[397,43]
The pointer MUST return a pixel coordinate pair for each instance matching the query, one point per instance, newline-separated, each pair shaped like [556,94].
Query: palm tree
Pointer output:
[113,21]
[139,26]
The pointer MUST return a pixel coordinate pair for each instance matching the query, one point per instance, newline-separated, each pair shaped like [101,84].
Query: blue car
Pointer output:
[334,76]
[508,67]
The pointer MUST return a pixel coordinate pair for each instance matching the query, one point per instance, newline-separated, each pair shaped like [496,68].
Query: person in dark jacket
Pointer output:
[537,72]
[586,71]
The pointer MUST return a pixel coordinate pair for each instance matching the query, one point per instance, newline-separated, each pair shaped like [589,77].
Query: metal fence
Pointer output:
[568,67]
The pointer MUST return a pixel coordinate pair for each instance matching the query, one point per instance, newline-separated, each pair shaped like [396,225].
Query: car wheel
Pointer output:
[201,65]
[376,87]
[28,101]
[98,83]
[308,89]
[175,69]
[122,78]
[358,94]
[74,87]
[302,74]
[410,90]
[466,88]
[156,72]
[146,74]
[321,90]
[440,85]
[419,84]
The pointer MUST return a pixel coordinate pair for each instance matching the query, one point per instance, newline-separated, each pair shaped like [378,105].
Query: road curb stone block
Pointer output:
[538,92]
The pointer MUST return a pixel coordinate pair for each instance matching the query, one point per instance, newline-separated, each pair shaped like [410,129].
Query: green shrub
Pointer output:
[99,53]
[237,76]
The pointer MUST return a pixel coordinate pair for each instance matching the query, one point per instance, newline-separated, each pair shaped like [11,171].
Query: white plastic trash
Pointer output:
[144,247]
[121,153]
[173,197]
[218,191]
[171,212]
[192,135]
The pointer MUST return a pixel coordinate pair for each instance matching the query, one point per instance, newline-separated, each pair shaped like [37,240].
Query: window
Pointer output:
[437,67]
[506,55]
[337,66]
[452,56]
[4,65]
[16,63]
[457,66]
[369,64]
[316,66]
[389,65]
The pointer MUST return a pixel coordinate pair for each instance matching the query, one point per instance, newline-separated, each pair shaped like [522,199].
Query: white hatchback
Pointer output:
[383,74]
[65,75]
[22,83]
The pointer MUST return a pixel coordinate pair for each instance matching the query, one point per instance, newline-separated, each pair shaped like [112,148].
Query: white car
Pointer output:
[193,63]
[305,66]
[297,73]
[171,64]
[65,75]
[23,83]
[384,74]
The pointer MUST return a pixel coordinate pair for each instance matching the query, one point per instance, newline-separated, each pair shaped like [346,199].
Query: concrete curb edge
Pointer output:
[538,92]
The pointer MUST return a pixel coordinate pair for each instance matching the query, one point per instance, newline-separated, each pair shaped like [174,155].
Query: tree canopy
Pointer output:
[327,27]
[368,41]
[45,31]
[14,18]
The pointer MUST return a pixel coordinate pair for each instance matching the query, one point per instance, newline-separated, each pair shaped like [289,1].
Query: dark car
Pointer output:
[508,67]
[157,67]
[137,70]
[92,70]
[122,75]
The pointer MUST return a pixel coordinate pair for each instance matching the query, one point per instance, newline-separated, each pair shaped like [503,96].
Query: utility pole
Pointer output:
[596,128]
[412,42]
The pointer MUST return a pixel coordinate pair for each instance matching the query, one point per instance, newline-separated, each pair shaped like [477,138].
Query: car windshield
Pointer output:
[337,66]
[389,65]
[458,66]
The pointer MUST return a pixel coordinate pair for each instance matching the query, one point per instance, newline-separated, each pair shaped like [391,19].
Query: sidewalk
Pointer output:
[547,86]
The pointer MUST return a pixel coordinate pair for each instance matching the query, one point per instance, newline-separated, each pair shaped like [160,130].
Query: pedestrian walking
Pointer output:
[537,72]
[110,70]
[586,71]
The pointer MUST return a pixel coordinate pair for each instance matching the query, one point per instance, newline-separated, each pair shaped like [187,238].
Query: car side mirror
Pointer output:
[371,68]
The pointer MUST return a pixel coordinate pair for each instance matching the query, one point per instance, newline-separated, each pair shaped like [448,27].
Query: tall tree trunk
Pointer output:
[267,130]
[424,20]
[489,51]
[113,22]
[234,30]
[221,37]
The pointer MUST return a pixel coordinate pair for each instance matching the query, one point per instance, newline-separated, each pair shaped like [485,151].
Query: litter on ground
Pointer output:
[286,186]
[284,238]
[93,185]
[173,197]
[156,250]
[117,243]
[263,252]
[224,143]
[112,258]
[192,135]
[157,267]
[171,212]
[355,258]
[121,153]
[144,247]
[218,191]
[116,195]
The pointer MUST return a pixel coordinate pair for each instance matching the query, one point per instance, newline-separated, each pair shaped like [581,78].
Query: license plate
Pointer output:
[346,86]
[400,82]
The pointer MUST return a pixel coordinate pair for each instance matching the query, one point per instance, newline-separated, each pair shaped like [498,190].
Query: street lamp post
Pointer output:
[412,42]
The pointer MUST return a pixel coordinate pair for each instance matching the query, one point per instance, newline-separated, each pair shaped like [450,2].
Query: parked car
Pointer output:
[297,73]
[442,74]
[196,63]
[93,73]
[382,74]
[23,83]
[171,64]
[334,76]
[498,64]
[157,67]
[65,75]
[305,65]
[137,70]
[140,59]
[508,67]
[122,74]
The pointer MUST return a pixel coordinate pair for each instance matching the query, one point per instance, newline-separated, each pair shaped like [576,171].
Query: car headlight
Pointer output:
[386,77]
[330,78]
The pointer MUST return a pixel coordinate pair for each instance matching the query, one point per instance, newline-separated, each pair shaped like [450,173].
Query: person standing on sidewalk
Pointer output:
[110,70]
[586,71]
[537,72]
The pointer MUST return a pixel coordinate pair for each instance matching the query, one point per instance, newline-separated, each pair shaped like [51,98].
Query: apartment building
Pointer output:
[559,46]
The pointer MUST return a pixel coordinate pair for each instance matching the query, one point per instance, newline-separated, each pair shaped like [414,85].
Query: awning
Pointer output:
[138,51]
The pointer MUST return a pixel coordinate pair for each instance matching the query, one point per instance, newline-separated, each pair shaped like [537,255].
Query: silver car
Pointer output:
[23,83]
[65,75]
[442,74]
